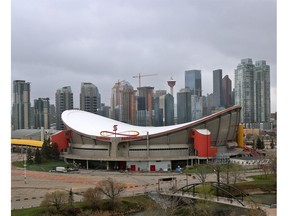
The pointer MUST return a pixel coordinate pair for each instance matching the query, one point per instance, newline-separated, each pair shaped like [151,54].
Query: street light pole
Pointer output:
[228,162]
[207,144]
[25,165]
[147,143]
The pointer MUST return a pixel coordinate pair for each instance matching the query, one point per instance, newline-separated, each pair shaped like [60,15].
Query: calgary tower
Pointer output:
[171,83]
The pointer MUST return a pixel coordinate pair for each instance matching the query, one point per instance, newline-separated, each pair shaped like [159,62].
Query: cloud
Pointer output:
[59,43]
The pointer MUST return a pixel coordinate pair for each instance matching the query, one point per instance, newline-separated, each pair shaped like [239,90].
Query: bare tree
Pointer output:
[264,164]
[236,172]
[169,205]
[202,171]
[71,197]
[56,198]
[91,197]
[273,164]
[203,208]
[111,188]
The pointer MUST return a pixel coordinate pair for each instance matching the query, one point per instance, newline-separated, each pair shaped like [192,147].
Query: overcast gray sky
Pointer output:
[57,43]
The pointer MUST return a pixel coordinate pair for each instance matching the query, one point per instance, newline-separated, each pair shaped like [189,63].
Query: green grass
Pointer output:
[124,205]
[261,182]
[44,166]
[27,212]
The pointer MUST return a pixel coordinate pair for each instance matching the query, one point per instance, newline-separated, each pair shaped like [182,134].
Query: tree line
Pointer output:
[48,151]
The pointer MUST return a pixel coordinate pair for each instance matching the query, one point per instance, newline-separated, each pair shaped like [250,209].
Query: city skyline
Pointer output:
[102,42]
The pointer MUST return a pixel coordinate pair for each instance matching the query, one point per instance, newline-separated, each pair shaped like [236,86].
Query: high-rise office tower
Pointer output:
[158,104]
[184,105]
[159,93]
[193,81]
[145,106]
[217,88]
[262,102]
[169,110]
[227,91]
[52,116]
[196,107]
[123,102]
[90,98]
[41,113]
[159,107]
[21,105]
[163,110]
[244,90]
[64,101]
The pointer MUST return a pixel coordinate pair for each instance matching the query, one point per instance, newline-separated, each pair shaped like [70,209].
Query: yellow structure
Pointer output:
[240,137]
[27,142]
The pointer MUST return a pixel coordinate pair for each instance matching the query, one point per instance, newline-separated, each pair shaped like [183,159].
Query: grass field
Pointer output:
[44,166]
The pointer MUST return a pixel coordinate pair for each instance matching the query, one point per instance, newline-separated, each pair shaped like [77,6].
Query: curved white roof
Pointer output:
[96,125]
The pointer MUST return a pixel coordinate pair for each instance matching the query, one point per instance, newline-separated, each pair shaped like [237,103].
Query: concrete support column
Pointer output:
[114,147]
[148,145]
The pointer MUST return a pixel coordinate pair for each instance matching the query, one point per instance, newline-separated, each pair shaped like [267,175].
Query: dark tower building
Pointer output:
[193,81]
[217,88]
[184,105]
[145,106]
[64,101]
[90,99]
[21,105]
[227,91]
[41,113]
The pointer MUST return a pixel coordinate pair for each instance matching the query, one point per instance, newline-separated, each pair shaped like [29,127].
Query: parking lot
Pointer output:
[29,187]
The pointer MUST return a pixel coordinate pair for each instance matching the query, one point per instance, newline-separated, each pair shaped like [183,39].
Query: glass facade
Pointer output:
[21,105]
[193,81]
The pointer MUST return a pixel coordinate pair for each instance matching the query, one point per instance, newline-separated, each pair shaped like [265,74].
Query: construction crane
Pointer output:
[142,75]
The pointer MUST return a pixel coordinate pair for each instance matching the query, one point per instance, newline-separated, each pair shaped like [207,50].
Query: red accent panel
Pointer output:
[152,168]
[62,139]
[132,168]
[202,143]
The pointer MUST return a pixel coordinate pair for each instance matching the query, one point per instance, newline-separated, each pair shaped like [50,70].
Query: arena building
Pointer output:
[97,142]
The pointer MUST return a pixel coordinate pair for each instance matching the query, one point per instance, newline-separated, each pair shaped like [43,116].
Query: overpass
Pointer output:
[224,194]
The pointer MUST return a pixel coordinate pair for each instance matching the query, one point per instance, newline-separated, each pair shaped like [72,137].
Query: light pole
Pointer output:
[148,143]
[228,162]
[25,165]
[207,143]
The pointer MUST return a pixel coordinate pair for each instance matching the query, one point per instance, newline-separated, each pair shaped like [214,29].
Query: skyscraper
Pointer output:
[262,102]
[196,107]
[90,98]
[217,88]
[123,102]
[244,90]
[252,92]
[193,81]
[145,105]
[184,105]
[41,113]
[64,101]
[21,105]
[169,110]
[227,91]
[163,110]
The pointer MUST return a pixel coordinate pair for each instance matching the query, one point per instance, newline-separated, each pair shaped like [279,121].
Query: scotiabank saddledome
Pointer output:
[102,143]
